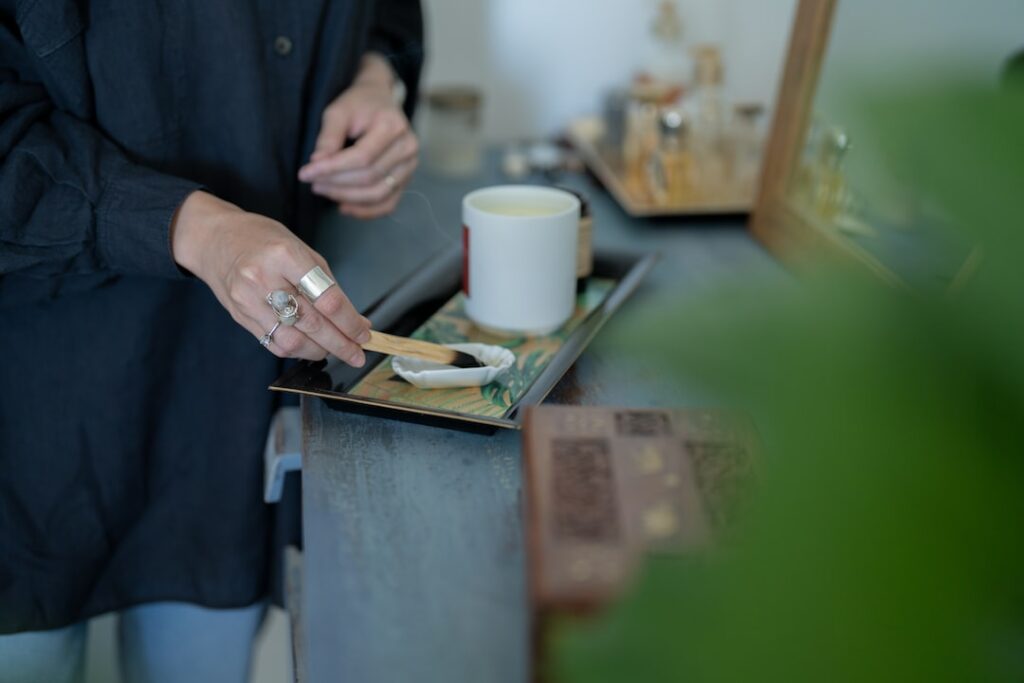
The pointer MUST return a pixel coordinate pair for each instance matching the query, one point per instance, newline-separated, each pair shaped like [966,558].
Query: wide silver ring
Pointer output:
[314,283]
[285,306]
[269,336]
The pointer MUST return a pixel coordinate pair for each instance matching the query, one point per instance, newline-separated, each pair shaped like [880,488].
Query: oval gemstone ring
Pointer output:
[285,306]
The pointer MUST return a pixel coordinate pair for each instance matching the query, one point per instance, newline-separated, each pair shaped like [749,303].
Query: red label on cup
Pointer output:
[465,260]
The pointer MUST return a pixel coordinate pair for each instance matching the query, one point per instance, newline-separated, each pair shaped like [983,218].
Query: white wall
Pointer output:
[935,39]
[919,42]
[542,62]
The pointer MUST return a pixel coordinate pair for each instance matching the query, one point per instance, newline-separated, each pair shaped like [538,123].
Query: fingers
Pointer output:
[286,342]
[312,337]
[402,151]
[331,324]
[335,308]
[371,194]
[387,126]
[366,178]
[334,125]
[315,326]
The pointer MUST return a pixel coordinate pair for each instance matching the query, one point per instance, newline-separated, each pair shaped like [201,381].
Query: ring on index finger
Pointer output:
[314,283]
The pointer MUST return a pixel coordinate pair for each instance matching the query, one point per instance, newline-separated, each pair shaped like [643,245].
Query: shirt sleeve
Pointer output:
[73,203]
[396,32]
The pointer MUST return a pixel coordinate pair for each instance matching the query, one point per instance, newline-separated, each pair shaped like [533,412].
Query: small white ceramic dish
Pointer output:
[427,375]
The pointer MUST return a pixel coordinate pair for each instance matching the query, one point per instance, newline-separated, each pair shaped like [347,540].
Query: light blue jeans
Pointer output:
[164,642]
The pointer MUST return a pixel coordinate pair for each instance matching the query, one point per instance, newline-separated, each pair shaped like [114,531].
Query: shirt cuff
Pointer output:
[398,87]
[134,215]
[405,69]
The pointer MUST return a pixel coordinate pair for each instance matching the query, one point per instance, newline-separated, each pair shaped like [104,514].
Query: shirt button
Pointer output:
[283,45]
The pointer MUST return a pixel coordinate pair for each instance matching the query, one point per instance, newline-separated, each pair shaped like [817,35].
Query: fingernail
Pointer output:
[357,360]
[363,337]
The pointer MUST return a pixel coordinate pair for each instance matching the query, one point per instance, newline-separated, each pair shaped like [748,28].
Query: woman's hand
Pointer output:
[244,256]
[365,179]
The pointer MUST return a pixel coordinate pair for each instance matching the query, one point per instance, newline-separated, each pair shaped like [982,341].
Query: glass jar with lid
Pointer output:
[452,142]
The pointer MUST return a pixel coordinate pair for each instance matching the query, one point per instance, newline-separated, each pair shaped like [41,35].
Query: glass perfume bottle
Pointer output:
[804,183]
[640,145]
[616,112]
[830,183]
[709,122]
[675,159]
[631,142]
[745,146]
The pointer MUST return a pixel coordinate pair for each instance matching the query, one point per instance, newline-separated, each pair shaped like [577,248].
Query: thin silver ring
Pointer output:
[390,181]
[285,306]
[269,336]
[314,283]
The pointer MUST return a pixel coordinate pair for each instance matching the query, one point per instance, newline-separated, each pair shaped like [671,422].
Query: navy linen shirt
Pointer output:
[133,410]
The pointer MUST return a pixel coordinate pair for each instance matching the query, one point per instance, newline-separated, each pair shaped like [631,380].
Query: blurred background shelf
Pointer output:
[585,135]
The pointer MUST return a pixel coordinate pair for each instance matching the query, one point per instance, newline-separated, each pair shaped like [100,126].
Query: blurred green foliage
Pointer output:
[884,541]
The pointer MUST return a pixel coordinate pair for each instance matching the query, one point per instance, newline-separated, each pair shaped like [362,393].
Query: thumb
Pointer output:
[333,131]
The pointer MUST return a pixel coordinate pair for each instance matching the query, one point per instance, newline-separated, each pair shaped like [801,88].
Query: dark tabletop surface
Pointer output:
[414,566]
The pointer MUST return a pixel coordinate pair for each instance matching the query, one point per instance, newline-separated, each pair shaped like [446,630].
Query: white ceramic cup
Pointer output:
[519,259]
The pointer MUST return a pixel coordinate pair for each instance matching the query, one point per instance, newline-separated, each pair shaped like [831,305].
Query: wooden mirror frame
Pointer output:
[775,222]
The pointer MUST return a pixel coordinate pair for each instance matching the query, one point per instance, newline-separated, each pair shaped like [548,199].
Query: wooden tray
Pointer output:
[428,302]
[585,135]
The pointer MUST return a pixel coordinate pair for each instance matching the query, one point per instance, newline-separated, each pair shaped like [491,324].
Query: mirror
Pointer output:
[827,189]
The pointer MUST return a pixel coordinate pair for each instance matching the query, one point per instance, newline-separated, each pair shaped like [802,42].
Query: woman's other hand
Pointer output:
[243,256]
[366,178]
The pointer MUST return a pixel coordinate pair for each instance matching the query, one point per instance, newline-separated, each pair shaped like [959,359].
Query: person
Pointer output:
[155,158]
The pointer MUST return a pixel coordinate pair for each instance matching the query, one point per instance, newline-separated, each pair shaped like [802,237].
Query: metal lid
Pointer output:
[835,143]
[673,123]
[837,139]
[456,97]
[748,110]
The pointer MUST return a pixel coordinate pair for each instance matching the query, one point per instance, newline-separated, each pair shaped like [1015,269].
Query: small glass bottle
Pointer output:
[676,160]
[830,183]
[640,145]
[803,184]
[709,123]
[745,156]
[616,111]
[631,141]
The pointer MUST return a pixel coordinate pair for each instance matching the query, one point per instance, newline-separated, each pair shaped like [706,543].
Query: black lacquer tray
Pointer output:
[418,300]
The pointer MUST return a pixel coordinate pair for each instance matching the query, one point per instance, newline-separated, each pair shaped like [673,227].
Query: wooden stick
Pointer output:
[403,346]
